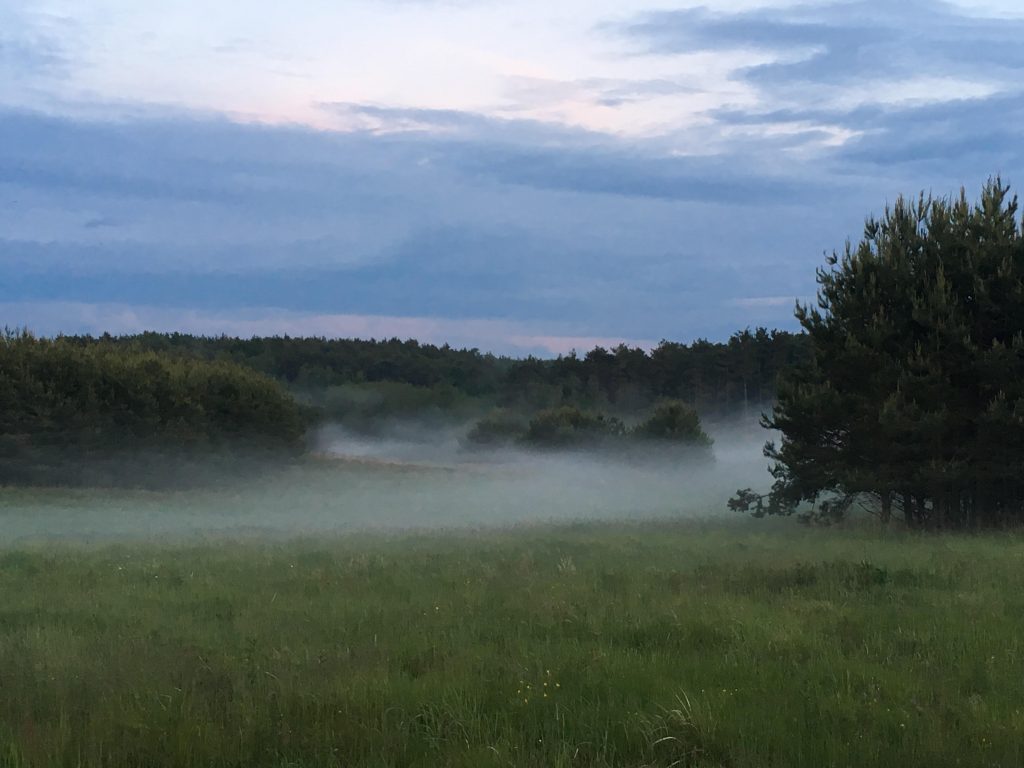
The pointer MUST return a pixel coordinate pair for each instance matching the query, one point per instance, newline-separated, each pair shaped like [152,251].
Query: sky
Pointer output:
[524,177]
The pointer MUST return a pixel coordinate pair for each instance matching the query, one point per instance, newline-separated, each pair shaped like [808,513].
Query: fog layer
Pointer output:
[409,479]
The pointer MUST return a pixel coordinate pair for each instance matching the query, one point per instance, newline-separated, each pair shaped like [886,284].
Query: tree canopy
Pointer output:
[63,404]
[912,398]
[367,378]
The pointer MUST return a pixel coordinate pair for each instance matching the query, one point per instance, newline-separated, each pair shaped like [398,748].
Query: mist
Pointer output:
[409,478]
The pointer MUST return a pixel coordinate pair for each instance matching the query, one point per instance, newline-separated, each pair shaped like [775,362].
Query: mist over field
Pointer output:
[388,384]
[407,479]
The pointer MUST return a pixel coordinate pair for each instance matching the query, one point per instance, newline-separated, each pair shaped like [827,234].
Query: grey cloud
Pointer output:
[844,42]
[447,213]
[212,162]
[445,126]
[962,137]
[35,46]
[496,223]
[631,175]
[542,156]
[33,56]
[102,222]
[825,48]
[200,213]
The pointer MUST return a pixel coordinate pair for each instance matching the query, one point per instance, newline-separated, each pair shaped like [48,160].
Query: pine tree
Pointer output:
[913,399]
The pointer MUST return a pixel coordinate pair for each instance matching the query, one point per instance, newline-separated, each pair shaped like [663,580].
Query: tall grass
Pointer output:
[646,645]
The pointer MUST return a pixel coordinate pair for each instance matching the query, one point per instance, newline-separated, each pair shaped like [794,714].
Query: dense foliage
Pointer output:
[671,424]
[498,428]
[67,399]
[567,426]
[715,378]
[60,399]
[913,398]
[365,380]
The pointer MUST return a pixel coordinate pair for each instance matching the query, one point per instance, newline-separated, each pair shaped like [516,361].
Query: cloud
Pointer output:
[455,125]
[922,94]
[101,222]
[35,43]
[734,149]
[633,175]
[588,238]
[847,42]
[462,216]
[31,55]
[453,274]
[378,119]
[545,156]
[532,93]
[36,54]
[961,138]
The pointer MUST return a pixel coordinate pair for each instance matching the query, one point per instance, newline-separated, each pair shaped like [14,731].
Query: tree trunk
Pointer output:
[938,509]
[886,513]
[909,511]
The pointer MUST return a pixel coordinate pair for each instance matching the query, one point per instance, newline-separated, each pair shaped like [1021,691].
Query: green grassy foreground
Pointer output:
[649,645]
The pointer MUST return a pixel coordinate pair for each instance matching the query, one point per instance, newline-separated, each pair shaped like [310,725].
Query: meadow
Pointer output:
[664,643]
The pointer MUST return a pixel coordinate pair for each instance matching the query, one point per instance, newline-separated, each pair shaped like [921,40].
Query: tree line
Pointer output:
[670,426]
[716,378]
[74,402]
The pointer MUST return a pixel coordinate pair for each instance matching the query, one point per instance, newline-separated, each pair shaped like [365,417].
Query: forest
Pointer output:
[713,377]
[73,398]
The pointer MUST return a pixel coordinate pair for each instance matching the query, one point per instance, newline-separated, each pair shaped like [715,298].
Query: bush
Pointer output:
[498,428]
[570,427]
[676,422]
[61,403]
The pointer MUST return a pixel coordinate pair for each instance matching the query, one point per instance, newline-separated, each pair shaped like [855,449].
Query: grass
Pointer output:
[593,645]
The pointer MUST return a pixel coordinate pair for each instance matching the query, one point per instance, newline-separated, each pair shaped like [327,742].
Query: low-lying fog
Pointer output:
[411,479]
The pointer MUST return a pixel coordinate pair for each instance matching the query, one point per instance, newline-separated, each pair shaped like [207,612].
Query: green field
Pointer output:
[648,644]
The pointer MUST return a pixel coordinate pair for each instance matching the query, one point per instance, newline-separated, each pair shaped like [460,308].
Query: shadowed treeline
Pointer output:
[71,412]
[154,409]
[353,378]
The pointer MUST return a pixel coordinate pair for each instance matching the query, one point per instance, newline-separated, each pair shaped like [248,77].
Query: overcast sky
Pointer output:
[519,176]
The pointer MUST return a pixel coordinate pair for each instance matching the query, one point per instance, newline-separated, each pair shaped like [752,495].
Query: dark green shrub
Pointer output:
[497,428]
[62,404]
[676,422]
[570,427]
